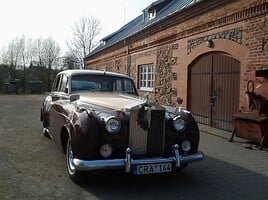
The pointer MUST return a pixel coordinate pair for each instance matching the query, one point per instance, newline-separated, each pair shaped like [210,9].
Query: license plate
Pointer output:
[152,168]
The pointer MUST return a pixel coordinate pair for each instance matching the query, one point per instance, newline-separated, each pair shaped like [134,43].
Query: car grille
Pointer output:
[150,141]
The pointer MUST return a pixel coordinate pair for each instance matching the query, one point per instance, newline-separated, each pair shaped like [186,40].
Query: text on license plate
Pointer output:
[152,168]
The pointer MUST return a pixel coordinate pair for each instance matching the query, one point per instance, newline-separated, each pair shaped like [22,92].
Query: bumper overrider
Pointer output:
[127,163]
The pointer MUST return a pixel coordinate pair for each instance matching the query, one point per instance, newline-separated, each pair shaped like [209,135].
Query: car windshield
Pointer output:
[106,83]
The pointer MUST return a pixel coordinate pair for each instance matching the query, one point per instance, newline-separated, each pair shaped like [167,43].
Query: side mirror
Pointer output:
[74,97]
[179,100]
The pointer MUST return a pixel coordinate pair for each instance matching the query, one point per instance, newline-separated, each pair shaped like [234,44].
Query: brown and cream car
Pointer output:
[99,120]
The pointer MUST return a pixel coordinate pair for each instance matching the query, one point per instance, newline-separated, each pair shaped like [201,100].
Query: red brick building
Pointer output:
[204,51]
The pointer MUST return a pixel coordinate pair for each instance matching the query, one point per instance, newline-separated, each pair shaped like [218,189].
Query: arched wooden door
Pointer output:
[213,89]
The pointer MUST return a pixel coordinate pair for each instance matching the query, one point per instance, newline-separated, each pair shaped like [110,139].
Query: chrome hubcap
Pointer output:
[70,165]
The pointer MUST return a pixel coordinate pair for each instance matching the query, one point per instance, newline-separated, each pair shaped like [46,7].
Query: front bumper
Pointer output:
[177,160]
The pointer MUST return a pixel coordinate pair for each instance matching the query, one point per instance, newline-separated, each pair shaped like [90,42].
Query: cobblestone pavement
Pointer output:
[31,167]
[237,170]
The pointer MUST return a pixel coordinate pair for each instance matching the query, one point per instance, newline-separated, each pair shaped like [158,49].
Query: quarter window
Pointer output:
[146,77]
[64,84]
[56,84]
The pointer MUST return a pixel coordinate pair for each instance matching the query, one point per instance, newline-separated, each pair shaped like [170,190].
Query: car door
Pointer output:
[59,101]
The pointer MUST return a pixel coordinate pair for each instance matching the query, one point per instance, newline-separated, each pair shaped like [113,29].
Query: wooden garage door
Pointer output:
[213,94]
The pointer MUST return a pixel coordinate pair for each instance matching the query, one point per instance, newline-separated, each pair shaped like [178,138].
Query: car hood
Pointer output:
[114,101]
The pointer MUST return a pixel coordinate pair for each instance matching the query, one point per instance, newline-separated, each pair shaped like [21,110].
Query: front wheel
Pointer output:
[74,174]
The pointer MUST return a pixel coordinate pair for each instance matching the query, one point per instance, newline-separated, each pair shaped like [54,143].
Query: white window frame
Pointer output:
[146,77]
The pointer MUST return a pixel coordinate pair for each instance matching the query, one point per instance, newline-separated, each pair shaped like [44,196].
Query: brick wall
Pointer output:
[239,28]
[257,43]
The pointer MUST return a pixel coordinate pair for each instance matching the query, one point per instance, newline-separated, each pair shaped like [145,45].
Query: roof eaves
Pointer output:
[189,4]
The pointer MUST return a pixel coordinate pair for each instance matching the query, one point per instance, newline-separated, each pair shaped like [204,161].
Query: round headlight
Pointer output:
[186,145]
[106,150]
[113,125]
[178,123]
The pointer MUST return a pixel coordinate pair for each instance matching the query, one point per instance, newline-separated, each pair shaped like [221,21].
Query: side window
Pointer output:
[56,84]
[146,77]
[129,87]
[64,84]
[118,85]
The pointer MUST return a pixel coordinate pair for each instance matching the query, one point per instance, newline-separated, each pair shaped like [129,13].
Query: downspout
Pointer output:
[127,59]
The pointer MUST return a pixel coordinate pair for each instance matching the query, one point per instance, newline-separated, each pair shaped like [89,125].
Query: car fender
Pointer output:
[45,111]
[85,134]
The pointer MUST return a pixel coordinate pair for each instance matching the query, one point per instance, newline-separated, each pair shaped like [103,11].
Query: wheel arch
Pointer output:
[64,136]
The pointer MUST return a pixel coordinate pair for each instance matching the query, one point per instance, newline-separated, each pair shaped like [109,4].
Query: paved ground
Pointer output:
[31,167]
[243,168]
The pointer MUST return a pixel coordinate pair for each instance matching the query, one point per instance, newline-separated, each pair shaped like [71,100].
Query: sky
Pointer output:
[55,18]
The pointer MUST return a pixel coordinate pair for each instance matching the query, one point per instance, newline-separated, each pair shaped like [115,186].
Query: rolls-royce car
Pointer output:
[100,122]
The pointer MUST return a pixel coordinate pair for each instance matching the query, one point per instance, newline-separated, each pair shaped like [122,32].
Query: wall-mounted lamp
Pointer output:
[209,43]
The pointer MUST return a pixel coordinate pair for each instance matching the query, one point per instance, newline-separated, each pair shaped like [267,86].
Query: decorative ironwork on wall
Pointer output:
[109,66]
[163,88]
[118,64]
[232,34]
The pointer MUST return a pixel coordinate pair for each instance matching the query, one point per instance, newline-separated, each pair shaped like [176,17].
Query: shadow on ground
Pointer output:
[224,181]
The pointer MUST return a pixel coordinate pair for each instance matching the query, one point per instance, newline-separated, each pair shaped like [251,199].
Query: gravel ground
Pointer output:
[30,165]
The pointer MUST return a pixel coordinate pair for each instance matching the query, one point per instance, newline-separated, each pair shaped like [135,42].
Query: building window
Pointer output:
[152,14]
[146,77]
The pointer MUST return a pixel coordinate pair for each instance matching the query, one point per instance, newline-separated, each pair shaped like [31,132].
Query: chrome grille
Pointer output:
[147,142]
[137,135]
[156,134]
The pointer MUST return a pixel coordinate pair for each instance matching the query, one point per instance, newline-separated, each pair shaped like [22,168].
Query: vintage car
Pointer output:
[100,122]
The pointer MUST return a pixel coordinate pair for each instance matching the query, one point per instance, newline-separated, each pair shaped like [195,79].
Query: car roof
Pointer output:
[92,72]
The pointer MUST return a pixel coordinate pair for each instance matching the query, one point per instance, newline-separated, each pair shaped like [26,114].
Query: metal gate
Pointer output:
[213,94]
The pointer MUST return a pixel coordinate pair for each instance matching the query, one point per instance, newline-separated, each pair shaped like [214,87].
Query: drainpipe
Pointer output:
[127,60]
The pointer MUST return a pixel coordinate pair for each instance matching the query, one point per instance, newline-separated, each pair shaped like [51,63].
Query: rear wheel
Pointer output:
[74,174]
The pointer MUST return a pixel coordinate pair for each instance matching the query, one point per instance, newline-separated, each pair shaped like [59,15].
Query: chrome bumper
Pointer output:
[127,162]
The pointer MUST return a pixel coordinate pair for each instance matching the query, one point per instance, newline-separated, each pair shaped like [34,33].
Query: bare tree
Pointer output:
[69,61]
[51,52]
[85,32]
[48,55]
[11,56]
[39,52]
[23,58]
[28,57]
[51,55]
[30,52]
[22,53]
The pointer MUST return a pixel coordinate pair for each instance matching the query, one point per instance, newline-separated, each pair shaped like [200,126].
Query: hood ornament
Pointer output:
[179,109]
[144,116]
[148,102]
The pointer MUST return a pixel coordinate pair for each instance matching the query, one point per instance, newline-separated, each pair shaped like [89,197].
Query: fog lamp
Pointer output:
[186,145]
[106,150]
